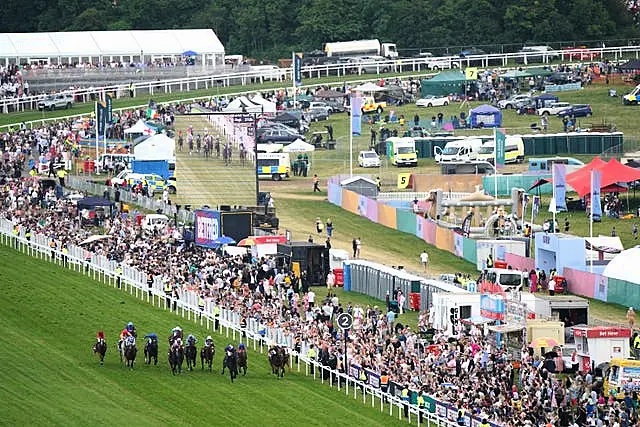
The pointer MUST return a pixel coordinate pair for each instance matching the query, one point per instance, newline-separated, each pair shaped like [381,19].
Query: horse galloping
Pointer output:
[190,353]
[206,355]
[242,360]
[176,358]
[100,347]
[151,351]
[129,353]
[278,360]
[230,361]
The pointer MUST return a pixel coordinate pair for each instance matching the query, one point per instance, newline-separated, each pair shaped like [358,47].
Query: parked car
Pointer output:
[512,102]
[580,53]
[316,114]
[278,135]
[471,52]
[578,110]
[59,101]
[561,78]
[336,104]
[321,105]
[433,101]
[441,64]
[373,64]
[553,108]
[536,54]
[368,159]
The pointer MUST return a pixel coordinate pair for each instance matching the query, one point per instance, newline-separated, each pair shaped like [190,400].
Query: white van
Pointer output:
[461,150]
[154,222]
[509,280]
[514,150]
[276,166]
[118,161]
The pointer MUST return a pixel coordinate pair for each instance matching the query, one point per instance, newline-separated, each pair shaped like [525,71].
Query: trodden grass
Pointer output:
[50,377]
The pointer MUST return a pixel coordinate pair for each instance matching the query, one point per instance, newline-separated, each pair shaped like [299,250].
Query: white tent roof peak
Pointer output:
[625,266]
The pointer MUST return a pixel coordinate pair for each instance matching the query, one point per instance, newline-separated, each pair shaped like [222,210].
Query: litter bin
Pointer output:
[339,273]
[414,301]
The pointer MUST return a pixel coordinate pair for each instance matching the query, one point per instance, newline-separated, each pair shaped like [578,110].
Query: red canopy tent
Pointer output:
[577,176]
[611,173]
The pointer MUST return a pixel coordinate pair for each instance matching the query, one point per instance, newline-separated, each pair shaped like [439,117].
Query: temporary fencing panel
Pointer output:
[335,194]
[469,249]
[349,201]
[601,288]
[372,210]
[518,262]
[386,215]
[430,232]
[580,282]
[617,293]
[458,248]
[577,143]
[444,239]
[420,224]
[406,221]
[507,182]
[362,205]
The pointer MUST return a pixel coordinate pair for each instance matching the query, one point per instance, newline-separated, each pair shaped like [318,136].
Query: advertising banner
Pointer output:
[297,68]
[560,187]
[356,114]
[207,227]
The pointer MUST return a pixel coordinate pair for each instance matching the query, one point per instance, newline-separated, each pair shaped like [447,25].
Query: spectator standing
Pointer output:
[329,226]
[354,246]
[316,182]
[424,259]
[631,317]
[358,247]
[331,280]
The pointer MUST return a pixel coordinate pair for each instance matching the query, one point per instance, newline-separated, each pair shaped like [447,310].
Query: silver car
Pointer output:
[59,101]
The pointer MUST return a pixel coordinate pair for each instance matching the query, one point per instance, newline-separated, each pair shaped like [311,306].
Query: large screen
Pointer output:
[208,227]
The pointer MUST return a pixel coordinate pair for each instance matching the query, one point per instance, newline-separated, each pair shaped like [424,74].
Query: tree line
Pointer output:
[274,28]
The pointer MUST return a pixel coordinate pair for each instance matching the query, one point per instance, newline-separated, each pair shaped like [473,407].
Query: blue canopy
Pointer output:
[189,53]
[485,116]
[223,240]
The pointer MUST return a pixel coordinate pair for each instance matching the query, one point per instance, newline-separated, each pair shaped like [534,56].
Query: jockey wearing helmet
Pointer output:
[130,341]
[241,347]
[209,341]
[151,337]
[191,340]
[175,333]
[229,348]
[123,335]
[100,336]
[132,329]
[177,344]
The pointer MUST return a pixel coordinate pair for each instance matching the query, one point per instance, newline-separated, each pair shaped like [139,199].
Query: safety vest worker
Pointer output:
[167,288]
[636,342]
[485,423]
[363,376]
[118,270]
[420,401]
[216,311]
[27,235]
[201,303]
[490,261]
[312,353]
[405,394]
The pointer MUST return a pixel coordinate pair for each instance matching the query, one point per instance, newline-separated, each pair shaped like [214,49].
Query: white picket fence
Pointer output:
[401,65]
[258,336]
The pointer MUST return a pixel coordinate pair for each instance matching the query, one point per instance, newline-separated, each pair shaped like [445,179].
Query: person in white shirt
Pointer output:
[424,259]
[331,280]
[165,196]
[312,298]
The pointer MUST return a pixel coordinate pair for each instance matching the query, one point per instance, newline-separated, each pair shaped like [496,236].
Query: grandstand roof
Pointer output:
[96,43]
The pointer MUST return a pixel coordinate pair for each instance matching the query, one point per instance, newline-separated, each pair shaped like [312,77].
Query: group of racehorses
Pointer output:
[234,359]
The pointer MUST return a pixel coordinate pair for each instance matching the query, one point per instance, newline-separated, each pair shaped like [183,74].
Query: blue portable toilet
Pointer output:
[347,276]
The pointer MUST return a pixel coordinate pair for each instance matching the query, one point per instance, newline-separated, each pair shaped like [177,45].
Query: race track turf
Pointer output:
[49,376]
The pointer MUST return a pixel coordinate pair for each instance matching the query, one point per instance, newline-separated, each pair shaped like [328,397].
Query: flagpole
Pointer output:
[293,77]
[555,206]
[351,139]
[495,164]
[97,131]
[591,223]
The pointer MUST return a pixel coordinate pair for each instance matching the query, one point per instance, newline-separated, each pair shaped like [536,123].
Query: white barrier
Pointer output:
[402,65]
[227,323]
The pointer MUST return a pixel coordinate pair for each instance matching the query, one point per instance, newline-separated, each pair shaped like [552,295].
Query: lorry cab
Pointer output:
[513,153]
[276,166]
[509,280]
[461,150]
[623,376]
[402,151]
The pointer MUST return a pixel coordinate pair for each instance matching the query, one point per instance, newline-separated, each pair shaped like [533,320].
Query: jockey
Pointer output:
[209,341]
[123,335]
[130,341]
[151,337]
[177,344]
[100,336]
[229,348]
[132,329]
[241,347]
[191,340]
[175,333]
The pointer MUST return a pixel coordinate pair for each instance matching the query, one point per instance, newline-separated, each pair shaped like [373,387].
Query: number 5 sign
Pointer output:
[404,180]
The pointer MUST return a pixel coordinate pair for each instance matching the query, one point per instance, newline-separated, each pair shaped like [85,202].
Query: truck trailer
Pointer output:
[361,47]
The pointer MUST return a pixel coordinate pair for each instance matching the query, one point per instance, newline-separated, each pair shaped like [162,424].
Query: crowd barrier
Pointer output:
[228,324]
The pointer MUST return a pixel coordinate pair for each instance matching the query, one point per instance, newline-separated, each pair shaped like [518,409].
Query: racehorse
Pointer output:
[101,348]
[176,357]
[151,351]
[242,361]
[278,360]
[129,352]
[191,353]
[206,354]
[230,361]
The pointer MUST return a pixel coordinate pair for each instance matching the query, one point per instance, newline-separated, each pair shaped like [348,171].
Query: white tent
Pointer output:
[368,87]
[139,128]
[625,266]
[269,107]
[157,147]
[298,146]
[243,104]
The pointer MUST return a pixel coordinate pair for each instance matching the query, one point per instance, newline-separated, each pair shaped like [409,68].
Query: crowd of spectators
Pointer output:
[464,368]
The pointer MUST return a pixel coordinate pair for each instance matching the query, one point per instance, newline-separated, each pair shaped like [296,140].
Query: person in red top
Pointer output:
[100,336]
[123,336]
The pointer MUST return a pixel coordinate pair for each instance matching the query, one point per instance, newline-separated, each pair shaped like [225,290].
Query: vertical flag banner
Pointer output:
[500,148]
[297,69]
[596,208]
[560,187]
[101,119]
[525,202]
[535,207]
[356,114]
[109,105]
